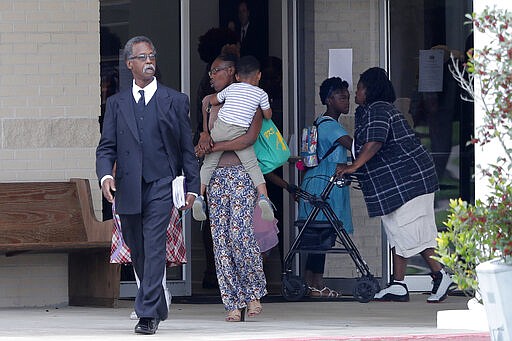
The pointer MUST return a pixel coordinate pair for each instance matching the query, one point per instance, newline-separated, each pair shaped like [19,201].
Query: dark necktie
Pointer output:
[243,35]
[142,102]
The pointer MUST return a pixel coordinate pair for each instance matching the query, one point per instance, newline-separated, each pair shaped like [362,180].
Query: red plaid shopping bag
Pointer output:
[176,253]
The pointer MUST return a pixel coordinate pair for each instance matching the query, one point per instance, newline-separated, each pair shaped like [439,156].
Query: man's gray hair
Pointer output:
[128,48]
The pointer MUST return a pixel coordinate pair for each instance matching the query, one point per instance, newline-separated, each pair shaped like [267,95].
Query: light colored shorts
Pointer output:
[412,227]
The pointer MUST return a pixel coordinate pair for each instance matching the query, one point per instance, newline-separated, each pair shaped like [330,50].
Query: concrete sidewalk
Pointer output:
[341,320]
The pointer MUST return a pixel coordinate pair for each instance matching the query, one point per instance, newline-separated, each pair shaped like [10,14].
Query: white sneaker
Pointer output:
[395,291]
[442,285]
[267,213]
[199,209]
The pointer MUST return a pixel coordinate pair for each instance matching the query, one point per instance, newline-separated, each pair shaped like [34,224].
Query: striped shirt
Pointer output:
[240,103]
[401,170]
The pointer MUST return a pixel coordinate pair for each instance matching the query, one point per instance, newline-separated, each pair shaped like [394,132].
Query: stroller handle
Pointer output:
[342,181]
[315,199]
[347,180]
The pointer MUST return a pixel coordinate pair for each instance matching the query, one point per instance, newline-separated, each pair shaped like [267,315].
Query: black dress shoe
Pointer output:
[147,325]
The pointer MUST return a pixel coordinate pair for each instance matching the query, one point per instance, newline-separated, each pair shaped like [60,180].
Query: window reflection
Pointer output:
[439,117]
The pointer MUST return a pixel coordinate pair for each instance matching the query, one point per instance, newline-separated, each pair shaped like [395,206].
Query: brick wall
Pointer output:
[350,24]
[49,89]
[49,105]
[34,280]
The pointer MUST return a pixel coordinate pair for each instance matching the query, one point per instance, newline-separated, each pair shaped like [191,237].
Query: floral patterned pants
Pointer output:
[231,199]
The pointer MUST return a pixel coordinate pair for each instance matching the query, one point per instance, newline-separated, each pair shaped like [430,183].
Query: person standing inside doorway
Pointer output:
[252,38]
[146,132]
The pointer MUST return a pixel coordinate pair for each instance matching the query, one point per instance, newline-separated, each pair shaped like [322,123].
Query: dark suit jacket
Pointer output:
[120,142]
[254,43]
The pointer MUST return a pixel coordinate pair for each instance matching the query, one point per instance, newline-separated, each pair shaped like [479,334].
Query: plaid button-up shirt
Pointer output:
[401,170]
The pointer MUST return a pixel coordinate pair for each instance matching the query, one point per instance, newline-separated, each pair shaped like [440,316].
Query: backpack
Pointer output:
[308,146]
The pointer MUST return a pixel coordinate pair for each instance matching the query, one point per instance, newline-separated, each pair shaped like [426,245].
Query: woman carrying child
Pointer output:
[231,200]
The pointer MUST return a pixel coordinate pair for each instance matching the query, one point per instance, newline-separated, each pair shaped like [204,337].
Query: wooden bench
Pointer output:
[58,217]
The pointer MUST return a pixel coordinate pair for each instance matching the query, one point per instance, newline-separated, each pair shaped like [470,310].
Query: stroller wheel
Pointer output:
[293,288]
[365,289]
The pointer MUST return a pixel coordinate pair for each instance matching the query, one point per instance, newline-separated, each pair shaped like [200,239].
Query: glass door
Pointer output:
[161,22]
[422,35]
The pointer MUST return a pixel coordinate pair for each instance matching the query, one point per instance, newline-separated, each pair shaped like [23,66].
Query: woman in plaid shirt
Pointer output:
[398,180]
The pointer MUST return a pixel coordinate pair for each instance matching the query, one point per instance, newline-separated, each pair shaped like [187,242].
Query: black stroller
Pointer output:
[294,287]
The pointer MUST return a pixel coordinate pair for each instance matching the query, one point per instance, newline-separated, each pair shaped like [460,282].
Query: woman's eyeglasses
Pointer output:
[213,71]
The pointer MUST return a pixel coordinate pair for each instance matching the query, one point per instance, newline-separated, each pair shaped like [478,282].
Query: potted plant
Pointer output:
[477,245]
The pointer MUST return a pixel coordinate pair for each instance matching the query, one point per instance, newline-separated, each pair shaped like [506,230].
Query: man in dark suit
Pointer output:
[252,38]
[147,135]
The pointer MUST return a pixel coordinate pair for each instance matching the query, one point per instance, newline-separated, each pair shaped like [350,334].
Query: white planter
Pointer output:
[473,318]
[495,282]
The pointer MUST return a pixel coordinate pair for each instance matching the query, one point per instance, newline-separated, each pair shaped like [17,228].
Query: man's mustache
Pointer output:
[148,67]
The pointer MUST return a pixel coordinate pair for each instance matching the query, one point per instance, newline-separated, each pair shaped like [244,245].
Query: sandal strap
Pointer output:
[254,308]
[331,293]
[325,292]
[234,315]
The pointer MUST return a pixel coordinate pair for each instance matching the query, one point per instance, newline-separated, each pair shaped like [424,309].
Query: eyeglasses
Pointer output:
[213,71]
[142,57]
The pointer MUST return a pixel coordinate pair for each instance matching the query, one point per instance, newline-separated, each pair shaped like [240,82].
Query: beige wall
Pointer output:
[350,24]
[49,107]
[49,89]
[34,280]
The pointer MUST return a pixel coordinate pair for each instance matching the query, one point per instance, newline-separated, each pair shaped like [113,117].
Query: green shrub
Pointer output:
[477,233]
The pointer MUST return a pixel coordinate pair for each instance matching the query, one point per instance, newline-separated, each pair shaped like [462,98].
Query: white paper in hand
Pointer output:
[178,191]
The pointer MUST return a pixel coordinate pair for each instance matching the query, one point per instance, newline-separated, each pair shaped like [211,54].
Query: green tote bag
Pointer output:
[270,147]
